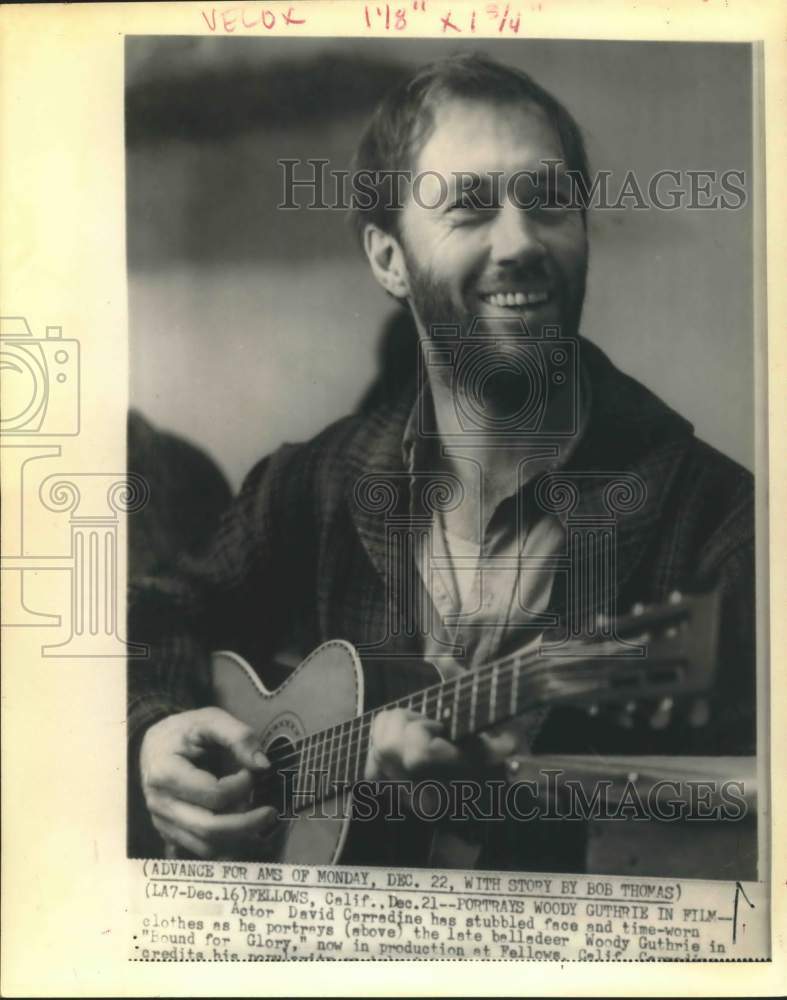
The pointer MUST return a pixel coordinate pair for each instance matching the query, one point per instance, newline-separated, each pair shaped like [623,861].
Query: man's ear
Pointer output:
[387,261]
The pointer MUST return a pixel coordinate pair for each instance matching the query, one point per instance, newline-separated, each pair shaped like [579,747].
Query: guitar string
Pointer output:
[358,728]
[469,680]
[348,733]
[352,756]
[530,672]
[338,740]
[494,672]
[477,677]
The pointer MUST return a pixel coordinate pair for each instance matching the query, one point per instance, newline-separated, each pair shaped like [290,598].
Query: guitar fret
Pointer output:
[347,744]
[331,760]
[341,763]
[327,751]
[350,764]
[493,694]
[347,761]
[316,763]
[482,698]
[514,686]
[336,754]
[319,762]
[455,710]
[468,680]
[357,724]
[307,763]
[341,757]
[298,774]
[501,692]
[473,700]
[305,758]
[335,781]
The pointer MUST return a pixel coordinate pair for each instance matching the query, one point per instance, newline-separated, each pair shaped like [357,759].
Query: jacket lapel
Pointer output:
[627,461]
[633,440]
[377,484]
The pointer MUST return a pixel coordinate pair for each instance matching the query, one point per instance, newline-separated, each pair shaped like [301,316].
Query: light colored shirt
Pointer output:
[489,595]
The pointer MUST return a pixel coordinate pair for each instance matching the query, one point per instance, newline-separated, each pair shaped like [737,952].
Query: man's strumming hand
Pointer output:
[191,807]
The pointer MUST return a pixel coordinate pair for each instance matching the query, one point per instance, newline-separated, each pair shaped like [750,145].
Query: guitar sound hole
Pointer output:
[274,787]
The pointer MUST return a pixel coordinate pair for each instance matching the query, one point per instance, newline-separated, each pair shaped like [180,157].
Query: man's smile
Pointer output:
[516,299]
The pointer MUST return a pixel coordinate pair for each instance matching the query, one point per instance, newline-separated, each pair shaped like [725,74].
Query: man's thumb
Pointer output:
[249,754]
[240,739]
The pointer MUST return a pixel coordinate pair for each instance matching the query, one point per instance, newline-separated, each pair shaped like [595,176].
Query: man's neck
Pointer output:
[483,425]
[488,461]
[483,461]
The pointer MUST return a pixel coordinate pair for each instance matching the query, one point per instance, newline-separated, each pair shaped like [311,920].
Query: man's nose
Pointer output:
[515,236]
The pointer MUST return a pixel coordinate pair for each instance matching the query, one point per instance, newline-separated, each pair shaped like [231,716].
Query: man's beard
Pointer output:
[432,302]
[434,305]
[506,382]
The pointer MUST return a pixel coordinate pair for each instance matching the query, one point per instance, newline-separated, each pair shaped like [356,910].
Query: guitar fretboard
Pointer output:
[335,758]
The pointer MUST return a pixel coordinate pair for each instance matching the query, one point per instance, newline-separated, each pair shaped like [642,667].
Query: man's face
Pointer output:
[506,261]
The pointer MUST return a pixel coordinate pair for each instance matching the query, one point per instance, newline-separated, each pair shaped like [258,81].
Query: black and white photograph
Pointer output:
[442,381]
[392,512]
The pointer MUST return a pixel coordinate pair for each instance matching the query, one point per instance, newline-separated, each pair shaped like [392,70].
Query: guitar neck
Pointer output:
[478,699]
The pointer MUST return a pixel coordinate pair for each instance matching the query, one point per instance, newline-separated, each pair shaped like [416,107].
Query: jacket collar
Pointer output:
[622,468]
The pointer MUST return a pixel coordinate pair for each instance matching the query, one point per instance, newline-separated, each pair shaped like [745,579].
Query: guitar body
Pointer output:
[324,691]
[308,717]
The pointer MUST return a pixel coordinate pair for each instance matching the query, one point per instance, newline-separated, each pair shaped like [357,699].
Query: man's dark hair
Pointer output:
[404,120]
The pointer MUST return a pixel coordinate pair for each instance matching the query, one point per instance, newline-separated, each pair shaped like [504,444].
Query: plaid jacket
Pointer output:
[298,560]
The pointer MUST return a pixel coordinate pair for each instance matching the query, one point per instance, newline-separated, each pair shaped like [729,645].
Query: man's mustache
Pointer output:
[514,279]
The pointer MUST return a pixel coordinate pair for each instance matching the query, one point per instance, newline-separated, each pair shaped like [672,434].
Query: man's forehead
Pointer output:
[480,136]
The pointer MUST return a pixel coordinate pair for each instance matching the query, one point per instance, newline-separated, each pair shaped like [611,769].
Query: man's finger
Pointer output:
[403,743]
[432,726]
[423,749]
[183,779]
[498,746]
[212,827]
[387,734]
[662,716]
[699,713]
[217,727]
[173,834]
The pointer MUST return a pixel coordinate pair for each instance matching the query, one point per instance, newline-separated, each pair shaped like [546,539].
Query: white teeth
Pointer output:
[510,299]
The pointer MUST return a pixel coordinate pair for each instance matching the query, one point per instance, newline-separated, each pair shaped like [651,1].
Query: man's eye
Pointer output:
[466,204]
[470,206]
[552,200]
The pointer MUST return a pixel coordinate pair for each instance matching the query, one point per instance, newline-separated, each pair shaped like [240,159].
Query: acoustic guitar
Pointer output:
[316,733]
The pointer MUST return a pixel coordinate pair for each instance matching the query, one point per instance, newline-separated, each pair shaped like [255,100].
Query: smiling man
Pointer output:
[430,528]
